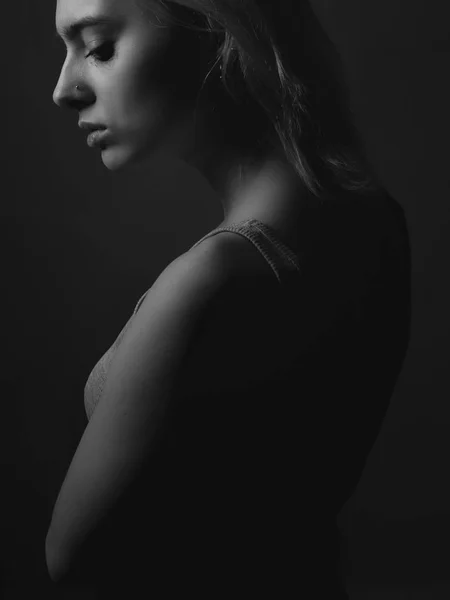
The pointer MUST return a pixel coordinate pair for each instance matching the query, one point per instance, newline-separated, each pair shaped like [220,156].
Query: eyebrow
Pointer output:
[70,32]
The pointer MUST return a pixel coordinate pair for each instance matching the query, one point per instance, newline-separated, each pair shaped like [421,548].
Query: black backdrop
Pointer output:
[79,245]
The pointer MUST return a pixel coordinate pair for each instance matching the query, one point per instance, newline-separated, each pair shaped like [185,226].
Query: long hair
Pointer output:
[283,72]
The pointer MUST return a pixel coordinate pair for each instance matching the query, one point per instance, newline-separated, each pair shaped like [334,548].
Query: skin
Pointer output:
[144,87]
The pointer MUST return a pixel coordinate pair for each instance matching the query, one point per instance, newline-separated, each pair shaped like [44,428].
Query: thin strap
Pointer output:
[283,248]
[272,252]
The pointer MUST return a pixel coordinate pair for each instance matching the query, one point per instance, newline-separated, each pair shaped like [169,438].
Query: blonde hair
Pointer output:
[287,65]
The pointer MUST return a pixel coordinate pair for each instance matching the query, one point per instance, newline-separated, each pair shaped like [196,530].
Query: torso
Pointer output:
[333,414]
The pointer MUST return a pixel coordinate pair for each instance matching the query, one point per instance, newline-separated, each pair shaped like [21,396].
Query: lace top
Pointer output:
[301,441]
[282,260]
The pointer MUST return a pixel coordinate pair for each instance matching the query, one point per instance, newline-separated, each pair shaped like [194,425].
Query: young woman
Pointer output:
[232,417]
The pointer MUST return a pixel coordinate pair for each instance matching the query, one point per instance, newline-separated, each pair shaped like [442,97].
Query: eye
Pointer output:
[103,53]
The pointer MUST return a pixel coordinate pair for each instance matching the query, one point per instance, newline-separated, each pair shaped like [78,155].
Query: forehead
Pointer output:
[69,11]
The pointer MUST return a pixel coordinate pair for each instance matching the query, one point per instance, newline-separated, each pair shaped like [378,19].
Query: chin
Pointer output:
[117,158]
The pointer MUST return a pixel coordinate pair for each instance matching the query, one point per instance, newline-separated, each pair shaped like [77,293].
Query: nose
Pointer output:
[65,94]
[61,93]
[59,97]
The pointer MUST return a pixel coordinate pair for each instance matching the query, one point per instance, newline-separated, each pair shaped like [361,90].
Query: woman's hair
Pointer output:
[286,82]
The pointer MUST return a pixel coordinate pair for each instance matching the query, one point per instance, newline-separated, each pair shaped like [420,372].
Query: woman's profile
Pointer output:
[232,417]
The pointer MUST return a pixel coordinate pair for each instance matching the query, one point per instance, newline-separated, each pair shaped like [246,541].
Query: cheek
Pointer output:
[143,112]
[165,65]
[151,92]
[140,84]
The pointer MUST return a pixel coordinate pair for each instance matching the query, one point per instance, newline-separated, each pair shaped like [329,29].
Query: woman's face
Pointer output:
[137,80]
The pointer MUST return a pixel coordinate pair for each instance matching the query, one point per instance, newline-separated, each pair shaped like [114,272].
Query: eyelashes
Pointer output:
[103,53]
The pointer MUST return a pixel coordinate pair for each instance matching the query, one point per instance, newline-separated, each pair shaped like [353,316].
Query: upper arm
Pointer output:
[123,431]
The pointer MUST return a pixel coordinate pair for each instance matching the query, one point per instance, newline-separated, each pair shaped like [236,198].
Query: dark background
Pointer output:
[80,245]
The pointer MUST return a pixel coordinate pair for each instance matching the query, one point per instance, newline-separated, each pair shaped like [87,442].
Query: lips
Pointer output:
[89,126]
[97,137]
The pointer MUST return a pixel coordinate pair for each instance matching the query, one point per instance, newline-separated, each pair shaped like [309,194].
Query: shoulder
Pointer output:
[245,285]
[220,265]
[222,305]
[193,278]
[236,254]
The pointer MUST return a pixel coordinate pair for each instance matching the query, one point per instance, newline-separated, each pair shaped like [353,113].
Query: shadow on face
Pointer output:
[138,79]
